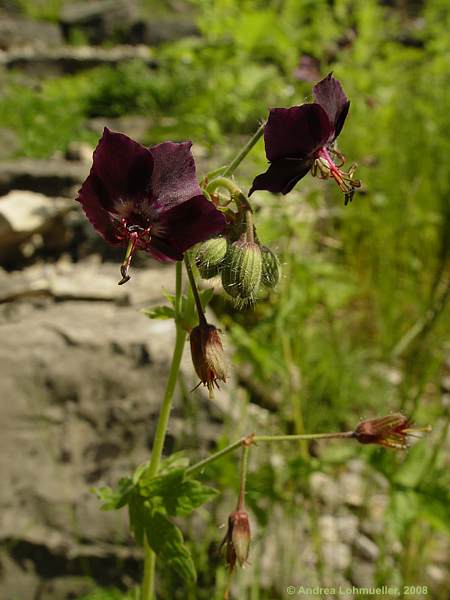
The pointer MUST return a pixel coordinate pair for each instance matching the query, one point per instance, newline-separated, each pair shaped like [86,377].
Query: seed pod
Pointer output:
[241,272]
[210,255]
[237,539]
[271,268]
[208,356]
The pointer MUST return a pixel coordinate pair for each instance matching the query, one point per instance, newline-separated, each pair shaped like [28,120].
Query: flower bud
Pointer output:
[210,255]
[207,355]
[237,539]
[391,431]
[241,272]
[271,269]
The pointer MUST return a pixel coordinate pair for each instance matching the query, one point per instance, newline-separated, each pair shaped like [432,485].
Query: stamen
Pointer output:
[324,167]
[125,266]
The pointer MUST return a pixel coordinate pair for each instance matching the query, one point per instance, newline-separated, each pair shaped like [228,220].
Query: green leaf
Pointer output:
[137,515]
[170,298]
[166,540]
[139,472]
[177,460]
[190,495]
[114,499]
[175,494]
[159,312]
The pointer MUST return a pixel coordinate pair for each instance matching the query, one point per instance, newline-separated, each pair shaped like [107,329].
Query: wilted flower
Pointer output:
[207,355]
[147,198]
[301,138]
[391,431]
[237,539]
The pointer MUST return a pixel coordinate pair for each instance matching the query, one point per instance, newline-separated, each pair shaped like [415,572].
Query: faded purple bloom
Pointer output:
[147,198]
[301,138]
[392,431]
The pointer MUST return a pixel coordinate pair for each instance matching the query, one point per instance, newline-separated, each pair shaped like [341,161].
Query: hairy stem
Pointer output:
[148,584]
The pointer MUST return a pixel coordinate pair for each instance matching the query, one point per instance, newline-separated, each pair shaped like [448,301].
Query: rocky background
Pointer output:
[82,371]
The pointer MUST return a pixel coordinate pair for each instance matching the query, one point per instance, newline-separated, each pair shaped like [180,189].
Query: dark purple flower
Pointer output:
[301,138]
[147,198]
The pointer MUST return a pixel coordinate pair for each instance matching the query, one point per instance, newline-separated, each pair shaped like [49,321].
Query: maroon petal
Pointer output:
[123,169]
[282,175]
[174,180]
[185,225]
[331,97]
[296,132]
[89,197]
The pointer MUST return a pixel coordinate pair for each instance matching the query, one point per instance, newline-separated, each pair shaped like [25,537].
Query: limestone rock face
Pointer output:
[24,214]
[53,177]
[16,32]
[81,382]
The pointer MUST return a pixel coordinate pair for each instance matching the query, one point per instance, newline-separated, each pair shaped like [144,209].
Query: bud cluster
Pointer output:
[243,264]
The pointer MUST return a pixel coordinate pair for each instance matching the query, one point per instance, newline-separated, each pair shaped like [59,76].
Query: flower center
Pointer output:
[325,167]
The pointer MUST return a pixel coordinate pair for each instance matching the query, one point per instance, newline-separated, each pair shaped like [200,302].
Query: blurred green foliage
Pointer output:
[357,326]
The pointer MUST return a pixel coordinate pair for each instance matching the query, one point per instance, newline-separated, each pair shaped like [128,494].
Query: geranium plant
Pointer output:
[150,199]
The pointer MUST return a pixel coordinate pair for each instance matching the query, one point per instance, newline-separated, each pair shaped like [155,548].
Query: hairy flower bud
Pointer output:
[237,539]
[241,272]
[391,431]
[271,269]
[209,256]
[207,355]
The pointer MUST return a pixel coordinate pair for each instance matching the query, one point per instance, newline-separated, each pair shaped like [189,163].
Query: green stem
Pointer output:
[197,467]
[198,303]
[223,182]
[304,436]
[250,439]
[250,235]
[245,150]
[148,584]
[243,476]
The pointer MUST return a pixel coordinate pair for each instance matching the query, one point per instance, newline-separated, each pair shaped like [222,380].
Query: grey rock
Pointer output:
[325,488]
[72,59]
[352,488]
[347,526]
[366,548]
[135,126]
[52,177]
[157,31]
[81,384]
[25,215]
[362,574]
[17,32]
[99,20]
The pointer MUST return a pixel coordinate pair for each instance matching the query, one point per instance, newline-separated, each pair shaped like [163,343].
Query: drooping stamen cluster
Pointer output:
[324,167]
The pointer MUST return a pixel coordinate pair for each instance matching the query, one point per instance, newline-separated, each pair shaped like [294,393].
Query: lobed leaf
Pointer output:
[166,540]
